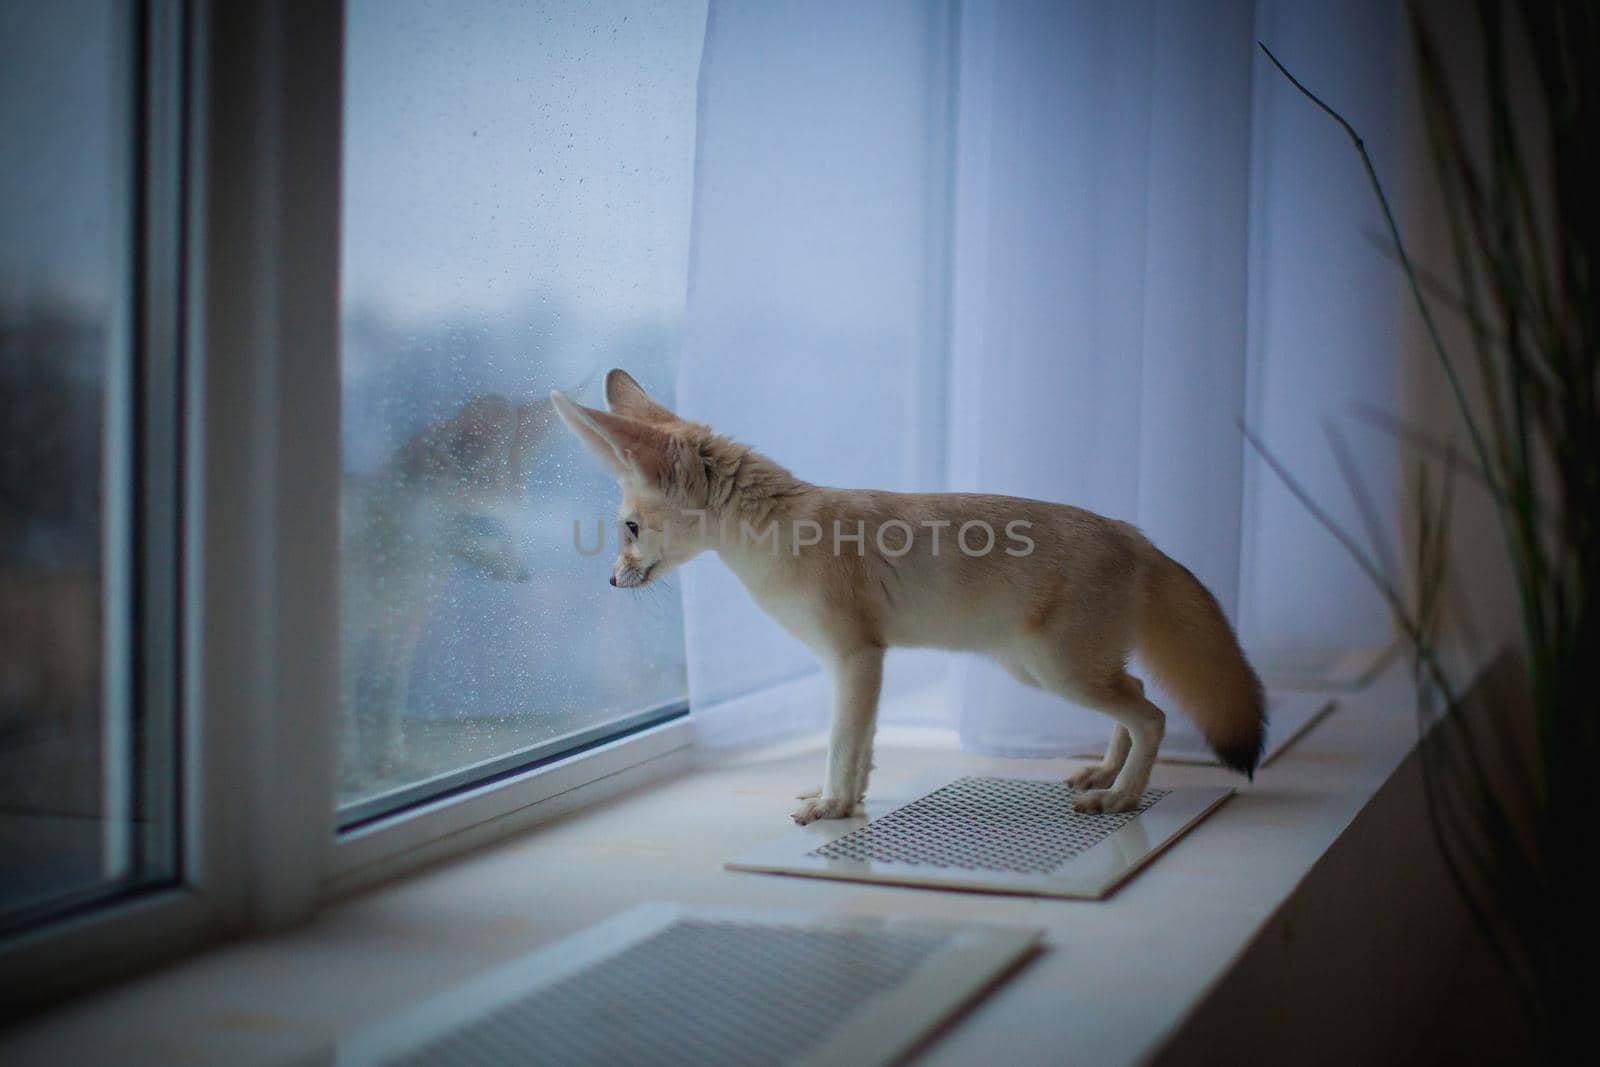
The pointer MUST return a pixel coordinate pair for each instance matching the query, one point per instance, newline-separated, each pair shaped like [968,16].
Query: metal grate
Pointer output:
[695,992]
[991,824]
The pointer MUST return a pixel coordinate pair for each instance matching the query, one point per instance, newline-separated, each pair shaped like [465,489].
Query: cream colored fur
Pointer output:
[1062,612]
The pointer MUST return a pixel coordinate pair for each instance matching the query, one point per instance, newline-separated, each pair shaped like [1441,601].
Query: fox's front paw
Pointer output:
[809,794]
[1106,800]
[821,807]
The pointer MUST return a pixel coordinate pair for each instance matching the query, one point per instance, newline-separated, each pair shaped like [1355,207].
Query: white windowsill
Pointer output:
[482,815]
[1117,978]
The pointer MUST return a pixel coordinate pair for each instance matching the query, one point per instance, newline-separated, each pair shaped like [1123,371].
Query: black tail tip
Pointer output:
[1241,758]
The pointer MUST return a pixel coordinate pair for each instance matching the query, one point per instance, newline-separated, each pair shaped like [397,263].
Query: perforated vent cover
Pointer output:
[1008,835]
[692,994]
[660,985]
[989,824]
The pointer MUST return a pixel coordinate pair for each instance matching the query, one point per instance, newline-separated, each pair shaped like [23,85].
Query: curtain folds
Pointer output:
[1101,283]
[815,326]
[1048,249]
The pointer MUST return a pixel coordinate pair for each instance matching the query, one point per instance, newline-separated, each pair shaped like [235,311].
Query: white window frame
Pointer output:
[247,104]
[271,501]
[104,942]
[471,815]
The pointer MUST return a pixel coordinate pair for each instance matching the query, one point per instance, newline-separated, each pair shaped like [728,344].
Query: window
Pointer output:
[383,230]
[517,191]
[87,474]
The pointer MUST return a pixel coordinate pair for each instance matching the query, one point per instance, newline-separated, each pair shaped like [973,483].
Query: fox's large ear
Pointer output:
[627,397]
[629,447]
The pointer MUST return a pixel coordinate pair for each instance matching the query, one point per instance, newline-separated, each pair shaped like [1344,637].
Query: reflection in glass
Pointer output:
[516,217]
[84,801]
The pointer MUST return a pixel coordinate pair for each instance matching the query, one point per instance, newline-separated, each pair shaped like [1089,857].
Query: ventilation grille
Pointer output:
[695,992]
[1011,825]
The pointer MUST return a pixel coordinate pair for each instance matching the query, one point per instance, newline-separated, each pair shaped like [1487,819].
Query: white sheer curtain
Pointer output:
[815,326]
[1047,249]
[1325,308]
[1101,284]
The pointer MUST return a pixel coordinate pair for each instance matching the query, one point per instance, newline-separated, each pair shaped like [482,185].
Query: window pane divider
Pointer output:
[264,467]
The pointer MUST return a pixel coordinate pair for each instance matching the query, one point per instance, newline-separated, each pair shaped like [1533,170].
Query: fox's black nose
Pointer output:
[613,579]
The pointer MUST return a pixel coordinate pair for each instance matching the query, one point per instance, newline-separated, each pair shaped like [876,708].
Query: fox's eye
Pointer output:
[633,527]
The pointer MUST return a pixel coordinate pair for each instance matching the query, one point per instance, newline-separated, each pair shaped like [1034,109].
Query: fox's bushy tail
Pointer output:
[1187,644]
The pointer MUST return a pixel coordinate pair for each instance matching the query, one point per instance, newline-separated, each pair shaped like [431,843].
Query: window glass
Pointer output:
[517,190]
[85,761]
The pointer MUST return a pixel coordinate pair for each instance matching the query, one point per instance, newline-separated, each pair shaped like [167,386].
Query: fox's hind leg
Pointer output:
[1120,695]
[1101,774]
[1105,772]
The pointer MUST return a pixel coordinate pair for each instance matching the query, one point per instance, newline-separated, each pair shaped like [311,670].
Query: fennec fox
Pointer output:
[455,493]
[1058,595]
